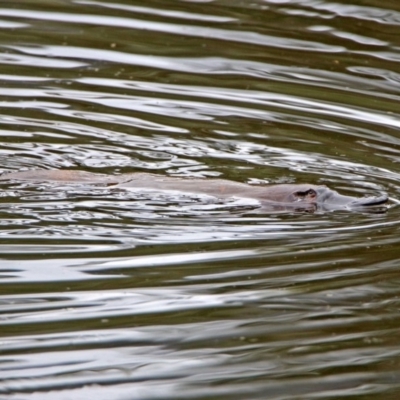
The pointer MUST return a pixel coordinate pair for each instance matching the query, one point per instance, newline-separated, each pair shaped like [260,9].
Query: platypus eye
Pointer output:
[308,195]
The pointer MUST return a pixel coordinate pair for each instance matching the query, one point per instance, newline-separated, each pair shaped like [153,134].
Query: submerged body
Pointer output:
[297,196]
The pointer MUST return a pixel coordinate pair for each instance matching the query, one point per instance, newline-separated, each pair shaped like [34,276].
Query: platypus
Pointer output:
[297,196]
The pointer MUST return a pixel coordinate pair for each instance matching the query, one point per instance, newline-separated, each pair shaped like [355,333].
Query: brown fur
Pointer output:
[213,187]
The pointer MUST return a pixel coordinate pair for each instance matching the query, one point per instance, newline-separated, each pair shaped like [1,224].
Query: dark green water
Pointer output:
[109,293]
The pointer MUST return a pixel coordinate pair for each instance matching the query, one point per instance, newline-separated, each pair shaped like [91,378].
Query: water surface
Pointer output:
[110,293]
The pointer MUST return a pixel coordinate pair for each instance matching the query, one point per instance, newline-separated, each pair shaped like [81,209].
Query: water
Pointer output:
[110,293]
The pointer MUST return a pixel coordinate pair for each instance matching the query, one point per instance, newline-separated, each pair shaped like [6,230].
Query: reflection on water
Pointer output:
[110,293]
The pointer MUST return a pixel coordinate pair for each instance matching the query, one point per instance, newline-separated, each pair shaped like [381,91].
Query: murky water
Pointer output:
[109,293]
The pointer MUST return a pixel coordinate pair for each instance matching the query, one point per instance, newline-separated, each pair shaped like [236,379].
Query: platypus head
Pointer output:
[327,199]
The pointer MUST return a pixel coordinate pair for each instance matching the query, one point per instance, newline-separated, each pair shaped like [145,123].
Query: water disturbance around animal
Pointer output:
[108,292]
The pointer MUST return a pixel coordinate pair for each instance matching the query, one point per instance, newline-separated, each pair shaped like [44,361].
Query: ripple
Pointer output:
[111,292]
